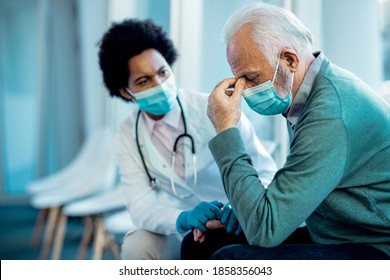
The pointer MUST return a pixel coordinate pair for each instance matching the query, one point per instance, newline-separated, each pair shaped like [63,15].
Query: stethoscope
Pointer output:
[155,183]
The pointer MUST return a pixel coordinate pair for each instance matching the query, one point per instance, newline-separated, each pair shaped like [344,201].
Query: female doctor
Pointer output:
[173,184]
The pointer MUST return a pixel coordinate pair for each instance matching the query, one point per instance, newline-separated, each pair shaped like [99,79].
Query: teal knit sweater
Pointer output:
[336,177]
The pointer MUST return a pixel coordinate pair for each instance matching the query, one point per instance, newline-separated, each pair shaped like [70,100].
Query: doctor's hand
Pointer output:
[223,107]
[198,217]
[229,220]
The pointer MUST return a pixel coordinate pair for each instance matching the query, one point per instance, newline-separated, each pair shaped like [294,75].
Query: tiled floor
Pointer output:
[16,231]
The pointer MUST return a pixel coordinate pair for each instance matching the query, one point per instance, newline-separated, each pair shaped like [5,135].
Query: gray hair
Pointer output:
[273,29]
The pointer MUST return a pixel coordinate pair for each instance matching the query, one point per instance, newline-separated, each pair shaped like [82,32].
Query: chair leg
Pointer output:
[113,245]
[87,236]
[59,239]
[39,224]
[99,239]
[50,227]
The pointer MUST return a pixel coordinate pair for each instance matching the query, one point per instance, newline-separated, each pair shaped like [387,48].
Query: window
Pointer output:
[19,92]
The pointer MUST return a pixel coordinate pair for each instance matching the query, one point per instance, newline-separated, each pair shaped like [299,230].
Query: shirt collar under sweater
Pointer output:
[305,89]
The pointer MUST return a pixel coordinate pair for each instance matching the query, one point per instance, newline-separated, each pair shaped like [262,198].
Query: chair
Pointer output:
[92,209]
[93,171]
[68,173]
[118,223]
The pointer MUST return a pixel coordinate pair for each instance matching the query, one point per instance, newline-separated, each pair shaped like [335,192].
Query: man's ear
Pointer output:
[126,95]
[291,58]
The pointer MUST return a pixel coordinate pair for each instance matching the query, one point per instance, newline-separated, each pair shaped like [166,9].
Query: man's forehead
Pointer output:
[242,42]
[242,58]
[244,33]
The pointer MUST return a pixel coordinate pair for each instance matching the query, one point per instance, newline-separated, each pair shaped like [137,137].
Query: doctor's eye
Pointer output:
[164,72]
[142,82]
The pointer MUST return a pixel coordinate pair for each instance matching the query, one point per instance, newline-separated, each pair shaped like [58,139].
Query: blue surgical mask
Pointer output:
[158,100]
[264,99]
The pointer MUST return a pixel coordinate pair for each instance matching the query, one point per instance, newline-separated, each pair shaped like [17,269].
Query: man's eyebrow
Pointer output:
[248,73]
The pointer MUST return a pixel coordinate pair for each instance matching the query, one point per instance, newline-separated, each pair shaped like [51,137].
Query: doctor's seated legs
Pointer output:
[146,245]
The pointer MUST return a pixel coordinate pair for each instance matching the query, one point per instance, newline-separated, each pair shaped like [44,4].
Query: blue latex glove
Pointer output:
[229,219]
[198,217]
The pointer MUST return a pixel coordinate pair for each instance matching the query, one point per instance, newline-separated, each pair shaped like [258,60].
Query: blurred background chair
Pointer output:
[66,174]
[113,227]
[63,177]
[92,210]
[93,171]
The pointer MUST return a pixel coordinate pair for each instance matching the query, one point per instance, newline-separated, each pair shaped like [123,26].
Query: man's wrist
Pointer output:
[222,128]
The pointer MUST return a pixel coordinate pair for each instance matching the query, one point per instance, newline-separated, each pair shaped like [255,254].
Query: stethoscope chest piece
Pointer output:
[155,184]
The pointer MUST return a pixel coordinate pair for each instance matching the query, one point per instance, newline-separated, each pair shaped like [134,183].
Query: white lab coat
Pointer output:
[157,211]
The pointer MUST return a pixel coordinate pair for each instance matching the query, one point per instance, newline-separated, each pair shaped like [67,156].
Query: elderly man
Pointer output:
[337,176]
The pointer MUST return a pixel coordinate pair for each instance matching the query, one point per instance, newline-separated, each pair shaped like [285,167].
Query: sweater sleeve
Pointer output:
[313,169]
[261,158]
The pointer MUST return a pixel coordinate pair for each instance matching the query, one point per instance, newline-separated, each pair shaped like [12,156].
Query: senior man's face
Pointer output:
[246,60]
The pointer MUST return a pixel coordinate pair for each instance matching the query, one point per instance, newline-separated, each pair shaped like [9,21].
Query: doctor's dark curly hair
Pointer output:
[127,39]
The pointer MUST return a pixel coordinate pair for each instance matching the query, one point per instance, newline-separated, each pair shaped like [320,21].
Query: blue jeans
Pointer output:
[219,238]
[298,246]
[300,252]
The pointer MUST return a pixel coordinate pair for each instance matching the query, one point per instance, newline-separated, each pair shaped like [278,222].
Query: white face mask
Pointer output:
[158,100]
[264,99]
